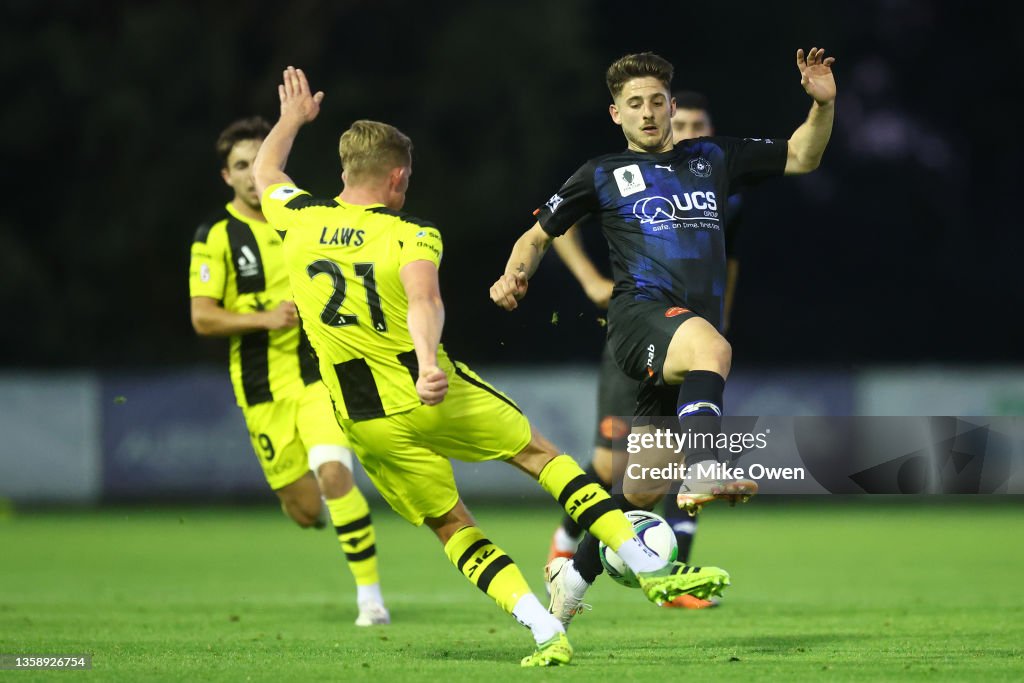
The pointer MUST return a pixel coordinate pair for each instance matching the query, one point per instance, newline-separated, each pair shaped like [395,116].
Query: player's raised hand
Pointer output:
[284,316]
[432,385]
[509,290]
[297,102]
[816,74]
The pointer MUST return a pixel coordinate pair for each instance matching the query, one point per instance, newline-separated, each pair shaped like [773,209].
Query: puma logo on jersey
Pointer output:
[667,167]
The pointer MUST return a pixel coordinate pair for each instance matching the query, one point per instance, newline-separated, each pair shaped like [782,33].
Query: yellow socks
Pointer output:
[487,566]
[586,501]
[351,517]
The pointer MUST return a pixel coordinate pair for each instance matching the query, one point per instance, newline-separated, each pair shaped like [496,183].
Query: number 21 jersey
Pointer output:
[344,261]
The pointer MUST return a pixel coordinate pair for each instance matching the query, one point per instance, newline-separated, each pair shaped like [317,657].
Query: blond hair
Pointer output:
[638,65]
[372,148]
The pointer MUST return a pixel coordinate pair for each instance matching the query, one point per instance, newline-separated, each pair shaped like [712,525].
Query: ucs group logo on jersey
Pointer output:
[656,209]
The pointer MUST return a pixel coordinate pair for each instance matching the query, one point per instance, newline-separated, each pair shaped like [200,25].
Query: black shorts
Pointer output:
[639,333]
[616,401]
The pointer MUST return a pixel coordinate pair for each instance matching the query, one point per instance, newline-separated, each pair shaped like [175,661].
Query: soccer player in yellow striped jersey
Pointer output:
[365,279]
[239,289]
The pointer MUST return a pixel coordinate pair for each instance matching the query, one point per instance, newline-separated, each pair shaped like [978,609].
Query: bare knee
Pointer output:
[335,479]
[697,346]
[716,356]
[301,501]
[332,464]
[713,354]
[445,526]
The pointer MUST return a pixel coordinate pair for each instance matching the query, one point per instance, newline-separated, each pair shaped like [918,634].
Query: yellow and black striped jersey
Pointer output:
[240,262]
[344,262]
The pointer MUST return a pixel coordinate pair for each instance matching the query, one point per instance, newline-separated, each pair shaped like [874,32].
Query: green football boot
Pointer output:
[554,652]
[678,579]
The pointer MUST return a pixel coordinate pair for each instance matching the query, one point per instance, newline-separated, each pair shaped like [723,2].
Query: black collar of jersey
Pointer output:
[663,156]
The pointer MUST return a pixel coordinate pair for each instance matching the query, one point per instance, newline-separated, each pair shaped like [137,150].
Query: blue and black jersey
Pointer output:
[664,215]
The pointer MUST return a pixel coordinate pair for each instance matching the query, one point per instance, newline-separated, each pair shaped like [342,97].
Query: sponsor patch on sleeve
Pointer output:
[284,192]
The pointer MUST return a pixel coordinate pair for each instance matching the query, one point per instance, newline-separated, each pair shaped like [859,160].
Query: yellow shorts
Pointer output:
[283,431]
[406,455]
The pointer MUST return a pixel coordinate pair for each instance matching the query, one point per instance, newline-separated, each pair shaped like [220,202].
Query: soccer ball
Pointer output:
[656,534]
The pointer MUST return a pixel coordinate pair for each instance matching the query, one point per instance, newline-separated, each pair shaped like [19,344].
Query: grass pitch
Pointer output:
[821,590]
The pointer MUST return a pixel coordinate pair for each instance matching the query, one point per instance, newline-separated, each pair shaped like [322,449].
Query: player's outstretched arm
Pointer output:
[569,248]
[210,319]
[510,288]
[808,142]
[426,320]
[298,107]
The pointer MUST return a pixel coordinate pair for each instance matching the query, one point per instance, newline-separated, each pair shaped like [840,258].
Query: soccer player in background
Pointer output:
[617,391]
[659,209]
[365,279]
[239,289]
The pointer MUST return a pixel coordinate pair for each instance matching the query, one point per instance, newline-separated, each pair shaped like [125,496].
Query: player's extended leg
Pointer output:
[636,495]
[589,505]
[351,518]
[488,567]
[698,360]
[418,484]
[616,402]
[568,534]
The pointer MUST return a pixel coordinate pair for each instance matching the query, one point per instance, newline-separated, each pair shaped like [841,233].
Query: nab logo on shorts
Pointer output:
[676,310]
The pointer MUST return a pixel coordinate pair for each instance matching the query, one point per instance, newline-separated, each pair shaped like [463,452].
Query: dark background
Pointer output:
[903,247]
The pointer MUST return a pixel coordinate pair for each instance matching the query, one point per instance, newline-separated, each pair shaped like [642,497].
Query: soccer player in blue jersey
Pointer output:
[660,208]
[616,393]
